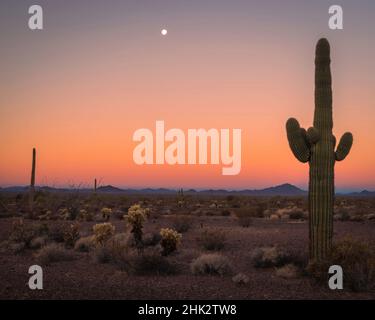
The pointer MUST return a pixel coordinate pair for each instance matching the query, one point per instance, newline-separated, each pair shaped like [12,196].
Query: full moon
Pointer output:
[164,32]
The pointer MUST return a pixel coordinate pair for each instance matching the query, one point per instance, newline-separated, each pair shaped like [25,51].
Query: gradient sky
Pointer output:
[101,69]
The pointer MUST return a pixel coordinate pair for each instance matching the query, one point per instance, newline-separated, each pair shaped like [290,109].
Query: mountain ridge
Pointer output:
[285,189]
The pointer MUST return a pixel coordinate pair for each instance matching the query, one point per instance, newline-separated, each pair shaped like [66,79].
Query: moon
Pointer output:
[164,32]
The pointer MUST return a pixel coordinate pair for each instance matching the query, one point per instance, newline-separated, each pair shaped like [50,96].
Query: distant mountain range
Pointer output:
[281,190]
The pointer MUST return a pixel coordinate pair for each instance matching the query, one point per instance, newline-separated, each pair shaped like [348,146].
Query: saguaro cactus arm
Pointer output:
[297,140]
[313,135]
[344,146]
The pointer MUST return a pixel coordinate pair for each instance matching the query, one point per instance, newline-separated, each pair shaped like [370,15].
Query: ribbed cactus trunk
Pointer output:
[322,159]
[317,146]
[32,182]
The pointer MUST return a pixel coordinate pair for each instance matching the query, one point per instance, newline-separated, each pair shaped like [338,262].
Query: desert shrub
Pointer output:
[150,262]
[182,223]
[114,250]
[37,242]
[212,239]
[343,215]
[84,244]
[103,232]
[103,254]
[244,221]
[225,213]
[54,253]
[269,257]
[296,214]
[65,214]
[24,232]
[56,232]
[16,247]
[151,239]
[136,218]
[240,279]
[106,213]
[71,235]
[84,215]
[289,271]
[213,264]
[244,216]
[357,260]
[21,232]
[169,240]
[259,210]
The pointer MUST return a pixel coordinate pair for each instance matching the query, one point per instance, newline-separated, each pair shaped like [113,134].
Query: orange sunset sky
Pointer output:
[101,70]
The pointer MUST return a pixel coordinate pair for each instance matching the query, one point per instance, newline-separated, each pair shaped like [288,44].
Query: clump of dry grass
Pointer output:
[212,264]
[182,223]
[240,279]
[84,244]
[289,271]
[54,253]
[268,257]
[212,239]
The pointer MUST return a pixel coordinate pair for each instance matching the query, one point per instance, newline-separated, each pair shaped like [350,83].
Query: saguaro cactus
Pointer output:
[317,147]
[32,182]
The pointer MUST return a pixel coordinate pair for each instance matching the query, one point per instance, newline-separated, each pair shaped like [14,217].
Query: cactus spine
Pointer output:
[32,182]
[317,146]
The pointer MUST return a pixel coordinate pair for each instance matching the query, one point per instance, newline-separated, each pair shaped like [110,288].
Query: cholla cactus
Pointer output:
[103,232]
[106,213]
[71,235]
[169,240]
[137,217]
[317,146]
[64,214]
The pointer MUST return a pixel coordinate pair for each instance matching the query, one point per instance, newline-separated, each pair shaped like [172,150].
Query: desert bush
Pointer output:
[54,253]
[71,235]
[84,244]
[103,232]
[150,262]
[25,232]
[240,279]
[65,214]
[244,216]
[84,215]
[182,223]
[37,242]
[343,215]
[296,214]
[136,218]
[106,213]
[289,271]
[357,260]
[56,232]
[114,250]
[212,239]
[269,257]
[225,213]
[21,232]
[213,264]
[151,239]
[169,240]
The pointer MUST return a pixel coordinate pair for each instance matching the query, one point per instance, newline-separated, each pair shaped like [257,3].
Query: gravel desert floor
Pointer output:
[82,277]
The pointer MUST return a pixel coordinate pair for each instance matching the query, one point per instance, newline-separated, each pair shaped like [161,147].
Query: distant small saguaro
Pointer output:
[32,182]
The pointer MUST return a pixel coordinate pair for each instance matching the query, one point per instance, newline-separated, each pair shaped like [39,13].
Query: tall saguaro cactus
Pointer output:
[317,147]
[32,182]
